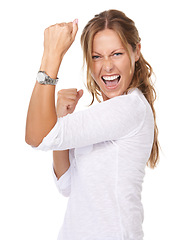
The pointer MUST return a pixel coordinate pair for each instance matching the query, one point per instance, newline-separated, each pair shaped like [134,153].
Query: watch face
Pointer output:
[41,76]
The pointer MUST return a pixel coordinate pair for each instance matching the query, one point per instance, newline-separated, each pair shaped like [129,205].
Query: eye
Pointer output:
[95,57]
[118,54]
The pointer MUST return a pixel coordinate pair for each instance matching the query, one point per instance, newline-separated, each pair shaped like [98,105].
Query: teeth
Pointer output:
[110,78]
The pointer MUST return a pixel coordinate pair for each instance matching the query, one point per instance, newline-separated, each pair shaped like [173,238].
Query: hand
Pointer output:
[57,40]
[59,37]
[67,101]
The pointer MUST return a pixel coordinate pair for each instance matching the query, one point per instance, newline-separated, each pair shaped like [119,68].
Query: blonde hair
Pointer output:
[128,33]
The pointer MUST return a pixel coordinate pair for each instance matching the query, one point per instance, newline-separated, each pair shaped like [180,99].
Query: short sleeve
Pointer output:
[113,119]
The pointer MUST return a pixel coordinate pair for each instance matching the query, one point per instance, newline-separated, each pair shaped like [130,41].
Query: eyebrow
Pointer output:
[94,52]
[117,50]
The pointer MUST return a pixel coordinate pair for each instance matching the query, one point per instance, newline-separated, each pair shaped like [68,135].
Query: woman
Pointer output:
[100,153]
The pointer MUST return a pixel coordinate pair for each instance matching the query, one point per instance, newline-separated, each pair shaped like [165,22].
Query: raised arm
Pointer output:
[42,115]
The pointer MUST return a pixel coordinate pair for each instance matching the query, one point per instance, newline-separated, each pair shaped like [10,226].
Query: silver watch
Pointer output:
[44,79]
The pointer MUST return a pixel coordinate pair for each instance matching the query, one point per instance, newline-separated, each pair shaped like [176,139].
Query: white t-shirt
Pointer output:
[109,144]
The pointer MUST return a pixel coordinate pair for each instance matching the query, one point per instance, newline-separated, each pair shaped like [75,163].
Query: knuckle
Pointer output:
[59,95]
[60,91]
[46,30]
[65,27]
[74,90]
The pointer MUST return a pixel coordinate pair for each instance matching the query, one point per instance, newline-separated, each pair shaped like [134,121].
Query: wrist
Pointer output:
[51,65]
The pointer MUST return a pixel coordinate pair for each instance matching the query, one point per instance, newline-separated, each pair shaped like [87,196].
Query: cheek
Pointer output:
[125,67]
[95,71]
[133,62]
[93,74]
[129,65]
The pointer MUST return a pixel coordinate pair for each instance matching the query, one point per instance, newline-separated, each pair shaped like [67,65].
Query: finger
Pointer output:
[79,94]
[75,28]
[66,101]
[70,26]
[65,98]
[62,24]
[67,92]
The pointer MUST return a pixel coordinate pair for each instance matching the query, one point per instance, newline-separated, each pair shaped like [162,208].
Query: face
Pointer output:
[111,67]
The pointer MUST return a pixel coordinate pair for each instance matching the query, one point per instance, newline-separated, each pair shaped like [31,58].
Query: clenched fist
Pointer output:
[67,101]
[59,37]
[57,40]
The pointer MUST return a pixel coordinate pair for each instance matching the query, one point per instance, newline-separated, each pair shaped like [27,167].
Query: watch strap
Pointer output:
[47,80]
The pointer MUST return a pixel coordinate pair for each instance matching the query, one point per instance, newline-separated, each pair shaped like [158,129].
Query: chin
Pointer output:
[110,95]
[113,91]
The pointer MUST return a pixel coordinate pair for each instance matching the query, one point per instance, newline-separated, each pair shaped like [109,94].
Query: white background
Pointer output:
[30,205]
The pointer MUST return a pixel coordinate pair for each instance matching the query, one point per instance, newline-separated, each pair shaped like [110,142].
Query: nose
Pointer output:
[108,65]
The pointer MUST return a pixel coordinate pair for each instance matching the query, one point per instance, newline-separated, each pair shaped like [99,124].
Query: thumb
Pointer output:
[75,28]
[79,94]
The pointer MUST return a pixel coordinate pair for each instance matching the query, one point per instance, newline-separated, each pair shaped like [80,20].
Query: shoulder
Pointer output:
[132,103]
[134,100]
[127,109]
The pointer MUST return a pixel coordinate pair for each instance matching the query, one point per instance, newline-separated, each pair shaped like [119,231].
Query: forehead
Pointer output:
[106,40]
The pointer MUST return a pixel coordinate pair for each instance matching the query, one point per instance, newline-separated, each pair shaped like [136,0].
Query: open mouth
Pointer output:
[111,81]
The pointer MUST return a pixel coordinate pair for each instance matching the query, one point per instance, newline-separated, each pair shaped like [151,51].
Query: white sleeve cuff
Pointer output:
[63,184]
[52,140]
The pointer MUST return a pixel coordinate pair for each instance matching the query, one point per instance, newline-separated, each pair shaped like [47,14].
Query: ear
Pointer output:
[137,51]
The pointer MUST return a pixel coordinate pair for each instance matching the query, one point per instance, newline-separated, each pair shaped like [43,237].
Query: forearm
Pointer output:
[42,116]
[61,162]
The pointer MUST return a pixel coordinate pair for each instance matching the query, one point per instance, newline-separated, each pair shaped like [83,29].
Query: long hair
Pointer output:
[128,33]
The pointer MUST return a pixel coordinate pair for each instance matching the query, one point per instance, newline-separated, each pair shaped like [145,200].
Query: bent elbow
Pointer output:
[30,140]
[35,134]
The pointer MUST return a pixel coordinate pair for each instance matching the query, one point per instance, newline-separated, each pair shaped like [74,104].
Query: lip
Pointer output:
[108,87]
